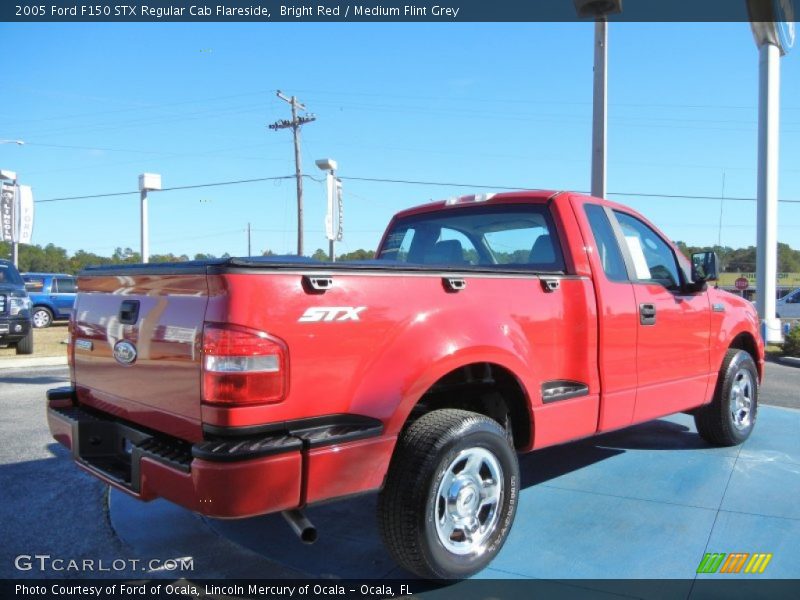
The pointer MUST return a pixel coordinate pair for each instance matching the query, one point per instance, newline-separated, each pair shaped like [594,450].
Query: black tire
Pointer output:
[41,317]
[730,417]
[25,345]
[471,450]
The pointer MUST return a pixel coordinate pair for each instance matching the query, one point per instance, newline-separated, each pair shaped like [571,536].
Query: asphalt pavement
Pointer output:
[654,473]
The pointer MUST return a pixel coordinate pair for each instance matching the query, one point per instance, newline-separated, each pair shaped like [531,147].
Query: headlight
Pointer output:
[17,305]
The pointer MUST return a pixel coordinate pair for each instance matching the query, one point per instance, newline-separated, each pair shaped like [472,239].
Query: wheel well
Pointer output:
[485,388]
[745,341]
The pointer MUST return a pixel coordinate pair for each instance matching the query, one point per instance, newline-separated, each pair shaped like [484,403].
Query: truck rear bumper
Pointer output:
[223,477]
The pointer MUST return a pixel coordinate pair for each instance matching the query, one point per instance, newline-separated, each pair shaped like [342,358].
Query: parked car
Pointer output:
[15,310]
[486,326]
[788,307]
[52,295]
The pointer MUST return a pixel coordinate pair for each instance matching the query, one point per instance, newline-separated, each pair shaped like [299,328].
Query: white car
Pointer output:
[788,307]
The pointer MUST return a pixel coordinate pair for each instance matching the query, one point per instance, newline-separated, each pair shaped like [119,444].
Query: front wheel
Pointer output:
[25,345]
[730,417]
[450,495]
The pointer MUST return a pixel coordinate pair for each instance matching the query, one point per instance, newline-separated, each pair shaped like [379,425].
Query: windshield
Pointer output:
[511,236]
[8,274]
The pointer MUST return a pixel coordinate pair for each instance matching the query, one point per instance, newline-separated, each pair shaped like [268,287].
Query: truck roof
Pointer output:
[535,196]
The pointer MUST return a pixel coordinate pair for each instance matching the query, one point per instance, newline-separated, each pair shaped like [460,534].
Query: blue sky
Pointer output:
[493,104]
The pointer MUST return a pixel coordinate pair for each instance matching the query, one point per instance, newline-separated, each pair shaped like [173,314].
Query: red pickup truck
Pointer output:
[486,326]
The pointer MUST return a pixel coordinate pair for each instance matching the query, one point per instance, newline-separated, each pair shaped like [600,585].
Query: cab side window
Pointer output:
[606,242]
[653,259]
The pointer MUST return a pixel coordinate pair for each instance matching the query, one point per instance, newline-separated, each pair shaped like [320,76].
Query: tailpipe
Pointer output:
[301,525]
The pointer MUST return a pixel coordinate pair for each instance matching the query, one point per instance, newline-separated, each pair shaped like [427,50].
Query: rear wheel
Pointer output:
[450,495]
[731,416]
[25,345]
[41,317]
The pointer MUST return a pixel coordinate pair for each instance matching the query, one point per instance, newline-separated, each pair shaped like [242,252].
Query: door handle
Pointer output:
[647,314]
[454,284]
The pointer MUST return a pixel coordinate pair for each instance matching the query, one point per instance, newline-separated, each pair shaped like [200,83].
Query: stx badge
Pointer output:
[331,313]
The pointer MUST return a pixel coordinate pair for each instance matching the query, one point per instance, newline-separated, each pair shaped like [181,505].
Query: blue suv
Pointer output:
[52,296]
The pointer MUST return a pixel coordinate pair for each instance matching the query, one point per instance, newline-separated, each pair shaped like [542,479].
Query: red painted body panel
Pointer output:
[161,389]
[410,333]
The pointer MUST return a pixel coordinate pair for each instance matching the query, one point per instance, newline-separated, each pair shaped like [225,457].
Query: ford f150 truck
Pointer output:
[15,310]
[485,327]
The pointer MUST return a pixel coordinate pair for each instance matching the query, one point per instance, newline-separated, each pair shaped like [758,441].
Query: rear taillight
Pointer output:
[242,366]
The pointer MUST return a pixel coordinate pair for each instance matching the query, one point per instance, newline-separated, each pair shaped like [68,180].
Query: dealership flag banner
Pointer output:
[25,212]
[7,224]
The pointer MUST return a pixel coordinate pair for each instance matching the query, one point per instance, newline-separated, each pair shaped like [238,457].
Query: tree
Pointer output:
[125,256]
[359,254]
[320,254]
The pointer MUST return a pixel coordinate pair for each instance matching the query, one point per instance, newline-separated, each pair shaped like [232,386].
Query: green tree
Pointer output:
[359,254]
[320,254]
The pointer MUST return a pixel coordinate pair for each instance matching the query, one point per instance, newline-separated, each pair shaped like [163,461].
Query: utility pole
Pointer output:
[294,125]
[248,241]
[599,10]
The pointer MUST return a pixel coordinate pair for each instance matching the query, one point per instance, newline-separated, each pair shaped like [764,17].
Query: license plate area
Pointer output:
[111,449]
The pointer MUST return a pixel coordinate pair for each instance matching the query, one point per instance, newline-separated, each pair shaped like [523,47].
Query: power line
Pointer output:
[519,188]
[169,189]
[409,182]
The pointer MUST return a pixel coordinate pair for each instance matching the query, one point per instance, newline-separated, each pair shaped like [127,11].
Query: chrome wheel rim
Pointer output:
[40,319]
[468,501]
[742,399]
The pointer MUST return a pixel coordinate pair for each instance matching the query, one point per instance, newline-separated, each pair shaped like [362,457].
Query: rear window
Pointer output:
[510,237]
[34,284]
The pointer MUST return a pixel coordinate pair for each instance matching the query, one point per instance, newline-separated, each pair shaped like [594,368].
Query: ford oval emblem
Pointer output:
[125,352]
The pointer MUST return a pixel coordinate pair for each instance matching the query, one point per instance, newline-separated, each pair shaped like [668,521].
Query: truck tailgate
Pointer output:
[137,341]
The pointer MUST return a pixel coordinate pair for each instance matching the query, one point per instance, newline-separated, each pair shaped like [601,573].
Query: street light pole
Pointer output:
[147,182]
[333,217]
[767,190]
[773,29]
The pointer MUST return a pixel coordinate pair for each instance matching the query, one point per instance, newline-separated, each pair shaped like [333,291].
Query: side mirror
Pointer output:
[704,267]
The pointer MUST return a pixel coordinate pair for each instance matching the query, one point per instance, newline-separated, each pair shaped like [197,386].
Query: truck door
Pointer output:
[618,320]
[672,342]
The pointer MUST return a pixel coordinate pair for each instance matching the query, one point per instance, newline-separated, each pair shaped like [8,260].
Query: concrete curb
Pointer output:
[42,361]
[789,360]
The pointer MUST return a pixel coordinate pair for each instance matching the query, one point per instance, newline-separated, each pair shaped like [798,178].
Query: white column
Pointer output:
[145,232]
[767,237]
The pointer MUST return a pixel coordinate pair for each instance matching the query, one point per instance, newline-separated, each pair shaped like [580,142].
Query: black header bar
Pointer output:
[377,11]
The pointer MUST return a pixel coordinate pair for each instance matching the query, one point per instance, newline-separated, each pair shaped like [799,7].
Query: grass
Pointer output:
[773,350]
[46,342]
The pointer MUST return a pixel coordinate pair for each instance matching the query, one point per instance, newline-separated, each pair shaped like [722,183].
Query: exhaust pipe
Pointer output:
[301,525]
